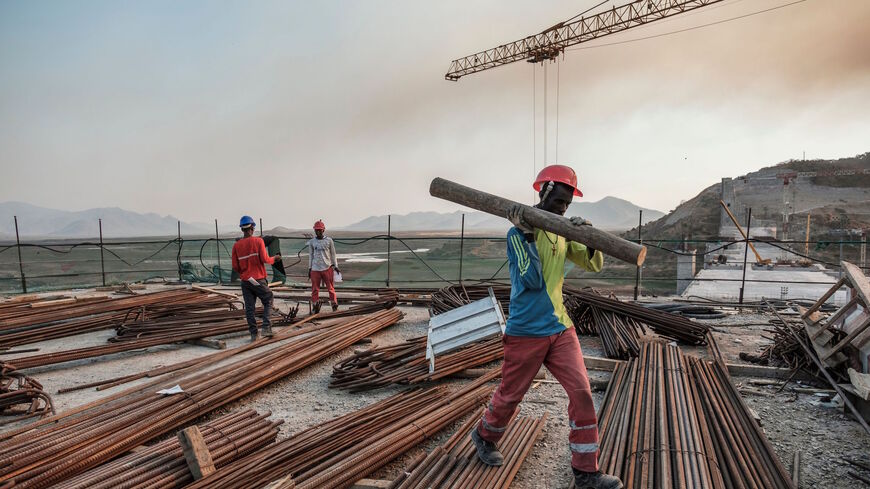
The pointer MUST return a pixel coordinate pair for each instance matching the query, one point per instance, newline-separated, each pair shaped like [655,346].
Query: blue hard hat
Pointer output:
[246,221]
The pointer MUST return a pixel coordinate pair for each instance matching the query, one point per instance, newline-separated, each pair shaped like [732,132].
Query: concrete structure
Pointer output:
[722,282]
[685,271]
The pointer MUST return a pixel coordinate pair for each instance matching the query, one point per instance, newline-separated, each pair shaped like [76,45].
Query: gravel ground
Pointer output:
[791,421]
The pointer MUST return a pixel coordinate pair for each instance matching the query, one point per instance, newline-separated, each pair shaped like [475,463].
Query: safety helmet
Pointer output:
[557,173]
[246,221]
[319,225]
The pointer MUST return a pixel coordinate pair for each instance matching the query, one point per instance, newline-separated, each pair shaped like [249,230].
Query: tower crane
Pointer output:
[552,42]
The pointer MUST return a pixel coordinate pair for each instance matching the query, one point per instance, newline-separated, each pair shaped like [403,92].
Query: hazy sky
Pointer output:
[293,111]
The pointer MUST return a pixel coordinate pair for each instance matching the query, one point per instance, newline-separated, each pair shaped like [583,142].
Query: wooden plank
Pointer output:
[215,344]
[195,452]
[851,336]
[815,307]
[218,292]
[285,482]
[859,281]
[819,344]
[837,315]
[759,371]
[371,484]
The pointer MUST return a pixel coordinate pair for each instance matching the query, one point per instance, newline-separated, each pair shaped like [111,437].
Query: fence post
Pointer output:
[745,253]
[102,263]
[461,246]
[261,227]
[389,242]
[217,246]
[178,257]
[640,242]
[20,263]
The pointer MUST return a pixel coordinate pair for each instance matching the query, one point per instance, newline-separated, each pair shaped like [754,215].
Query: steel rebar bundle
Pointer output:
[343,450]
[20,325]
[406,363]
[456,464]
[671,420]
[163,466]
[453,296]
[619,333]
[17,389]
[57,448]
[663,323]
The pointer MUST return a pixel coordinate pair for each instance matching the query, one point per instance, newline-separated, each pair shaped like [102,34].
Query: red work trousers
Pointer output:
[560,353]
[326,276]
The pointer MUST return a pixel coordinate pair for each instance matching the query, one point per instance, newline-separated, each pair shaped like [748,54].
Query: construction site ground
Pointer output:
[792,421]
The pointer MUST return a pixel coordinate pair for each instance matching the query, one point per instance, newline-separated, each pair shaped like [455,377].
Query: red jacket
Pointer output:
[249,255]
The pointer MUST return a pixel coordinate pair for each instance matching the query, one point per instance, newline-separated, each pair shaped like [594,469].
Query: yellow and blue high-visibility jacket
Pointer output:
[537,274]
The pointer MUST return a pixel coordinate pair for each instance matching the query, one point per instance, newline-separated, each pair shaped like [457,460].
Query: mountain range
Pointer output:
[609,213]
[35,221]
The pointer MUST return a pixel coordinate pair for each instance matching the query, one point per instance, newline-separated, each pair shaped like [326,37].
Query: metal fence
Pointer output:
[398,260]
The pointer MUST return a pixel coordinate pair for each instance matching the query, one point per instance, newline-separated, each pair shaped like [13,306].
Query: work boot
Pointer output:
[486,450]
[595,480]
[254,336]
[267,331]
[334,306]
[316,308]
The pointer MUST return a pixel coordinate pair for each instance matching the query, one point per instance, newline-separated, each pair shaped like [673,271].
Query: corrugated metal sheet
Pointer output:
[462,326]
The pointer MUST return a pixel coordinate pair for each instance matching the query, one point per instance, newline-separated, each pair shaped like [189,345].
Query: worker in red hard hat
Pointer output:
[248,258]
[540,332]
[322,265]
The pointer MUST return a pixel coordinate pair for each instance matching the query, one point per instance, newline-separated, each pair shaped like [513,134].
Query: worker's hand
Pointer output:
[515,216]
[277,257]
[579,221]
[337,270]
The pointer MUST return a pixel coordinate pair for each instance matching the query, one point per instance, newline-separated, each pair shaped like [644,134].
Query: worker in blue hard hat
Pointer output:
[249,259]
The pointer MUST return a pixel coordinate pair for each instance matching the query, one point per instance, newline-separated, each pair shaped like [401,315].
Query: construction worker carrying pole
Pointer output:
[539,331]
[249,257]
[322,266]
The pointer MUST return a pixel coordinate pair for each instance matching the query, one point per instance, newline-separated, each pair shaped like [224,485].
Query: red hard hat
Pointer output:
[319,225]
[558,173]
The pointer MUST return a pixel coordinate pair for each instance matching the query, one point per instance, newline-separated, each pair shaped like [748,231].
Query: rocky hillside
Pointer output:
[836,203]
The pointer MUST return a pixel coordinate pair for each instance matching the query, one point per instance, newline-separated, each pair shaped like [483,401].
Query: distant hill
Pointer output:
[834,201]
[35,221]
[609,213]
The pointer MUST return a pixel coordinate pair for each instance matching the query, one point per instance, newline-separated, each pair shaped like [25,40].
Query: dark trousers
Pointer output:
[251,293]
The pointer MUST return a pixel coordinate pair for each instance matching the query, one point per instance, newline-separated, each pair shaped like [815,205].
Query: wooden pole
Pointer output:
[640,242]
[102,262]
[603,241]
[745,252]
[217,247]
[20,263]
[389,243]
[461,246]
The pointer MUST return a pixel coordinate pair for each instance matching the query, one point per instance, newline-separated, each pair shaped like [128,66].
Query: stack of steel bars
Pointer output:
[456,464]
[670,420]
[664,324]
[155,333]
[453,296]
[345,449]
[17,389]
[406,363]
[163,465]
[21,324]
[59,447]
[619,333]
[205,323]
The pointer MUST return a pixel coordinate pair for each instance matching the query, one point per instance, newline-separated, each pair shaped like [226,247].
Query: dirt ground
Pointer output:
[791,421]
